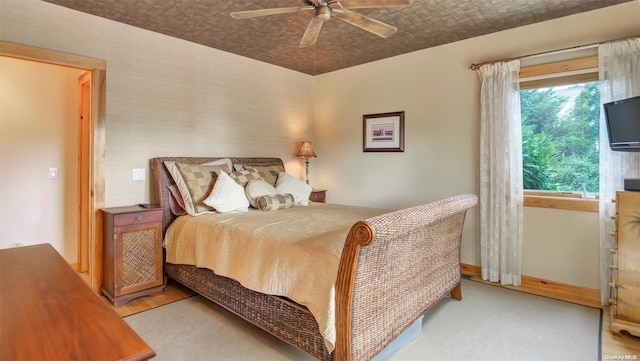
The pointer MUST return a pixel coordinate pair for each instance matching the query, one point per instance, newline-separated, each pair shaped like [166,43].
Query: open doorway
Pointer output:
[93,81]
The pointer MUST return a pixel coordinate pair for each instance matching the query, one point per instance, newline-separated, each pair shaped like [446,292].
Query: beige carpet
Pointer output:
[490,323]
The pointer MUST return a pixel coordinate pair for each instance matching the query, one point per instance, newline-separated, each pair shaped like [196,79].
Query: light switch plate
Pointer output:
[53,173]
[138,173]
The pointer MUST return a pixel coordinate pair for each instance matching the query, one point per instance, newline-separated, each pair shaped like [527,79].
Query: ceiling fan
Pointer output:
[324,10]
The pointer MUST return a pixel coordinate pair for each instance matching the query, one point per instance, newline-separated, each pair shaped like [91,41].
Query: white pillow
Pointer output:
[257,188]
[289,184]
[227,196]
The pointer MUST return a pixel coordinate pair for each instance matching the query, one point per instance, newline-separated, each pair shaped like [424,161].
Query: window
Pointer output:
[560,105]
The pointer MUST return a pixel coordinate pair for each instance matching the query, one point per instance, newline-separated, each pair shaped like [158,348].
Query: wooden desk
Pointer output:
[48,313]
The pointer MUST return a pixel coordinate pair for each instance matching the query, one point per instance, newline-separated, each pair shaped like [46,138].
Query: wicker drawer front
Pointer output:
[139,263]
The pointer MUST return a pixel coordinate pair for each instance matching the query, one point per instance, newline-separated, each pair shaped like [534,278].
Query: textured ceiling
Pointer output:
[274,39]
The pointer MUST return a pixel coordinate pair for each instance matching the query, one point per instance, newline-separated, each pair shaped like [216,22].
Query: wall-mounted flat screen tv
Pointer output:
[623,124]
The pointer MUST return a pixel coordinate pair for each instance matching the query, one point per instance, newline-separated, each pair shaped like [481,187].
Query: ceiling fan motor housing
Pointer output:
[323,13]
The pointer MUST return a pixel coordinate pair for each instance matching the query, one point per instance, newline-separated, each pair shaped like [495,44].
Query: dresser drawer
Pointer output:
[127,219]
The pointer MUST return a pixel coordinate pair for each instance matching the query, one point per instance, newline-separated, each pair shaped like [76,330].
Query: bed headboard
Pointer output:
[162,179]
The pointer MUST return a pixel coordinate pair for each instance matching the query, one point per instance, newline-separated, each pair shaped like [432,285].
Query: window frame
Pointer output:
[553,74]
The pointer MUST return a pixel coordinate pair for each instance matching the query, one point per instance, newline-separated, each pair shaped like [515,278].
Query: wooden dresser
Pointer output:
[625,283]
[47,312]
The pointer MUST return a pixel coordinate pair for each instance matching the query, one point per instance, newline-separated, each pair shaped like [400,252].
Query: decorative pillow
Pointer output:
[195,182]
[289,184]
[244,176]
[257,188]
[274,203]
[225,161]
[176,203]
[227,196]
[270,171]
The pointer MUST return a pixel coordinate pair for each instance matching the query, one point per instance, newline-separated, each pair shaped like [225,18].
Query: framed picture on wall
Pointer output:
[383,132]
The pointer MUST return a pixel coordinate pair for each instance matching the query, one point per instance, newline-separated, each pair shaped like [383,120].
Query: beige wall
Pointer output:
[167,96]
[561,245]
[164,96]
[440,97]
[38,130]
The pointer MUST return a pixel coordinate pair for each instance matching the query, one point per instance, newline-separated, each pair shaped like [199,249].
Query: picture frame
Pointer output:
[383,132]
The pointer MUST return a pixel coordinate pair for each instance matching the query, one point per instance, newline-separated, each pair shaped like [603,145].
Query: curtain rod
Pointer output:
[476,66]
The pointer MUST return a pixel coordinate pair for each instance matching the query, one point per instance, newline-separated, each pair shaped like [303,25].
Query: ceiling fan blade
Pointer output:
[364,22]
[362,4]
[311,34]
[264,12]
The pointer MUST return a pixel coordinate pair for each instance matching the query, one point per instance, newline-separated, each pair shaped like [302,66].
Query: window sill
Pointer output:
[559,200]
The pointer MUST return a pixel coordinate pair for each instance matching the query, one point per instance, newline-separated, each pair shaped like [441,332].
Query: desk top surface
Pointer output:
[48,312]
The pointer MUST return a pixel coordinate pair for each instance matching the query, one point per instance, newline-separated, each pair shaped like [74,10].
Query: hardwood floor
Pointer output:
[173,292]
[626,346]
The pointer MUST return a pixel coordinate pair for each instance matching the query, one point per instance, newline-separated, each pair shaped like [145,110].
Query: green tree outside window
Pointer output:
[560,132]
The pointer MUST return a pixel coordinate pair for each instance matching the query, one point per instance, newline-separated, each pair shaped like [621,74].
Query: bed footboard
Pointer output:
[394,268]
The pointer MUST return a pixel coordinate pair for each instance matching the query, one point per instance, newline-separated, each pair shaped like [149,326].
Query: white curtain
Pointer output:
[501,196]
[619,68]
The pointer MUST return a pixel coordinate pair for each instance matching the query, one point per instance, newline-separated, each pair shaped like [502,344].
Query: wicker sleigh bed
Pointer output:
[414,253]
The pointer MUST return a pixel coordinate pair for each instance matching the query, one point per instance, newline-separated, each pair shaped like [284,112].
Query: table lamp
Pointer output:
[306,152]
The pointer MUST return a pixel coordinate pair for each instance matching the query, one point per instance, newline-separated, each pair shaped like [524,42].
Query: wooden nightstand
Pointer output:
[132,247]
[318,195]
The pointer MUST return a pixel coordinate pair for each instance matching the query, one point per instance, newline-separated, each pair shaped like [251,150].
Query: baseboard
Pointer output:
[541,287]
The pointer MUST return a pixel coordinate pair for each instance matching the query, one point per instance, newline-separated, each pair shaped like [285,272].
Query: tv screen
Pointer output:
[623,124]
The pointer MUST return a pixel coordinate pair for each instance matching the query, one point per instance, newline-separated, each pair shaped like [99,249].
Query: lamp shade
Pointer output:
[306,150]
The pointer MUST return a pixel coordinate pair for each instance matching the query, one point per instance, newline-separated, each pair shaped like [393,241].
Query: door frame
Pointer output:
[84,169]
[98,69]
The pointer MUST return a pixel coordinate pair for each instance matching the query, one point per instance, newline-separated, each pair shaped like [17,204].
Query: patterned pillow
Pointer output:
[244,176]
[275,202]
[226,161]
[270,171]
[195,182]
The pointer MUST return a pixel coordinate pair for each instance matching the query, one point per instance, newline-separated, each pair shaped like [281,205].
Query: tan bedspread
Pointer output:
[293,252]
